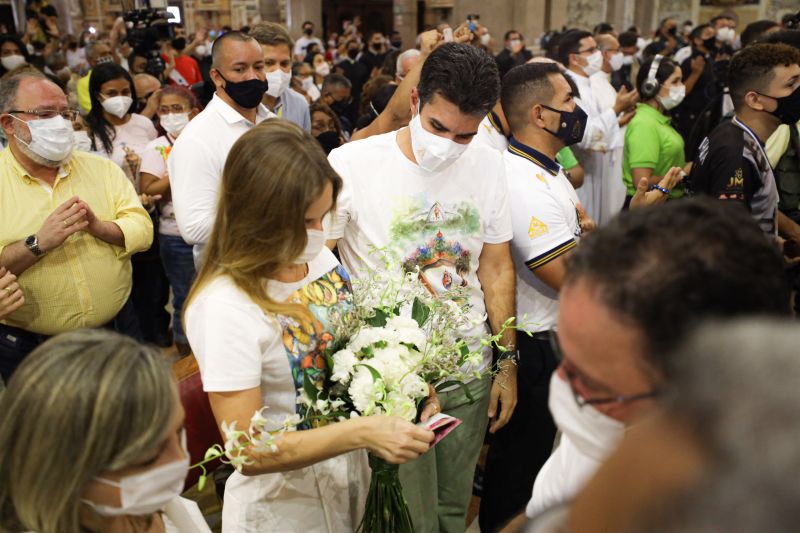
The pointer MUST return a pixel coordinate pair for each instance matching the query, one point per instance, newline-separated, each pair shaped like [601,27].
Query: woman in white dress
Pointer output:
[92,440]
[257,321]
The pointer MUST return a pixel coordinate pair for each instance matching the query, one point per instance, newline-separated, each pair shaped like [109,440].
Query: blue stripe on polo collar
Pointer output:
[531,154]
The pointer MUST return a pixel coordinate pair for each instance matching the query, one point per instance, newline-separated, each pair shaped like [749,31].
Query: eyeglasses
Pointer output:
[588,50]
[572,376]
[67,114]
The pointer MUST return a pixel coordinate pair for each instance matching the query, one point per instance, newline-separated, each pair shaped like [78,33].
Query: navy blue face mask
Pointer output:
[572,125]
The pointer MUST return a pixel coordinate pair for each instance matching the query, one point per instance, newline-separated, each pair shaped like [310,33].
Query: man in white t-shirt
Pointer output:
[198,157]
[307,38]
[548,219]
[440,207]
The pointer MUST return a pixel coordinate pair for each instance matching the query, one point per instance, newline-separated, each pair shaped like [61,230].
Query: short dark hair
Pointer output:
[715,262]
[753,68]
[271,34]
[334,80]
[603,28]
[306,22]
[755,30]
[463,75]
[665,69]
[507,35]
[570,43]
[698,31]
[218,44]
[628,39]
[523,87]
[790,37]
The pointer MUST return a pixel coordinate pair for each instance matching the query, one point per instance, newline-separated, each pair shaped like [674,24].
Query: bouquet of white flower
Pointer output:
[397,343]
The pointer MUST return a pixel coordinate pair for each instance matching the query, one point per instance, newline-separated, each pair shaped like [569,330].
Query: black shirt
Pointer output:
[704,90]
[731,165]
[506,60]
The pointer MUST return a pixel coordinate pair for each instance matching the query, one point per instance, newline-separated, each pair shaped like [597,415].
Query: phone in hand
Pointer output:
[448,35]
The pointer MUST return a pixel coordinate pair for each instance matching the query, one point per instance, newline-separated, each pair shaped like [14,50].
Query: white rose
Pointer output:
[343,362]
[397,404]
[365,391]
[414,386]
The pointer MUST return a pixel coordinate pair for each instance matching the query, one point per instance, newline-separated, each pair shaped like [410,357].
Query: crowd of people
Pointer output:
[632,200]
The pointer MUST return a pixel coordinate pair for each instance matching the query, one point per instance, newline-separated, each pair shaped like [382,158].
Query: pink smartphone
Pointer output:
[441,425]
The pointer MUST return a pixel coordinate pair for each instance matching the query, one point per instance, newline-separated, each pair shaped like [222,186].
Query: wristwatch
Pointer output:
[511,355]
[32,243]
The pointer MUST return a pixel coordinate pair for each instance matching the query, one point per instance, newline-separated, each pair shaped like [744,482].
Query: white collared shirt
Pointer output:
[196,163]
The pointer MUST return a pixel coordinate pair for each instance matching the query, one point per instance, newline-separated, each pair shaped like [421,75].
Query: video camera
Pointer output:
[147,27]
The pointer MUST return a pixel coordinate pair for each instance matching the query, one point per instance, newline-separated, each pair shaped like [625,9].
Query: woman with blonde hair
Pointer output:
[256,319]
[92,440]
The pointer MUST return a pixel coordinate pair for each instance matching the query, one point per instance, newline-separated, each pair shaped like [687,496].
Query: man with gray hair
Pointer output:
[337,93]
[69,223]
[405,62]
[198,157]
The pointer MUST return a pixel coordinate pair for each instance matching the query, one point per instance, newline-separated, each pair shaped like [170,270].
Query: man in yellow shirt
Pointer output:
[69,222]
[99,52]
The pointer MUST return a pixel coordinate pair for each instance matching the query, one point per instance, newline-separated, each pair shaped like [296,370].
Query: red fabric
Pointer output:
[188,68]
[201,427]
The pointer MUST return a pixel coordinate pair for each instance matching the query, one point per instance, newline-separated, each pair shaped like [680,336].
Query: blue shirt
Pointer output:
[293,107]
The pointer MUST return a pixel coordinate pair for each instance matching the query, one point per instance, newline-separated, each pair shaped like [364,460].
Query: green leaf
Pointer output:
[376,376]
[463,350]
[447,384]
[420,312]
[309,388]
[379,320]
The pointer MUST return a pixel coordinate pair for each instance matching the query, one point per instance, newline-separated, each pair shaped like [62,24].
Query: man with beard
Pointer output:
[69,223]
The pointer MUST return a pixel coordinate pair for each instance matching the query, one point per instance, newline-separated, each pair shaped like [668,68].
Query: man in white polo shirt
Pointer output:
[440,207]
[198,157]
[548,219]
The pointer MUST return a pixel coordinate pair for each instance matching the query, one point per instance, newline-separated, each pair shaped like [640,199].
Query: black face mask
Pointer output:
[710,43]
[572,127]
[179,43]
[329,140]
[673,31]
[397,44]
[788,110]
[352,53]
[246,94]
[308,31]
[339,108]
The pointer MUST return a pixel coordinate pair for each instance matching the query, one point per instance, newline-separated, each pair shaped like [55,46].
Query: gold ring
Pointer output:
[65,223]
[7,289]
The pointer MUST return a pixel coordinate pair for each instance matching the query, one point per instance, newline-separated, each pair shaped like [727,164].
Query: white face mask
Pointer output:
[676,95]
[594,63]
[278,81]
[51,138]
[174,122]
[147,492]
[616,61]
[12,62]
[64,73]
[323,69]
[432,152]
[627,60]
[513,44]
[592,432]
[726,35]
[486,39]
[200,51]
[316,240]
[82,141]
[308,83]
[117,105]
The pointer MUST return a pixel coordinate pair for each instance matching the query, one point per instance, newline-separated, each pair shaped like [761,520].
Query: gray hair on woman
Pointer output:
[81,404]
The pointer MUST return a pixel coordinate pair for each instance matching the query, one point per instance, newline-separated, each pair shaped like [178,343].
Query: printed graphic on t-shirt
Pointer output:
[164,150]
[305,342]
[430,235]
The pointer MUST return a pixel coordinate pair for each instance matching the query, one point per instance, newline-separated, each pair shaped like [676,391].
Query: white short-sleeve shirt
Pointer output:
[437,222]
[238,346]
[546,225]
